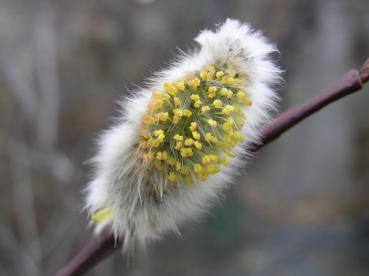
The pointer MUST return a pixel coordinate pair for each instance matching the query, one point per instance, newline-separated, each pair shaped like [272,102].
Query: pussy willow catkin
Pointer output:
[180,141]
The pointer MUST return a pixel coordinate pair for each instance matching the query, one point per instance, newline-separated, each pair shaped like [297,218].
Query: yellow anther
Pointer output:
[163,116]
[177,112]
[197,104]
[212,89]
[205,109]
[212,92]
[186,152]
[219,74]
[203,74]
[209,76]
[156,143]
[223,80]
[196,135]
[173,177]
[247,101]
[229,94]
[230,153]
[178,137]
[148,120]
[228,109]
[175,119]
[212,123]
[227,127]
[177,101]
[194,82]
[230,121]
[102,215]
[213,168]
[172,90]
[239,137]
[188,142]
[165,96]
[178,146]
[230,81]
[195,97]
[197,145]
[241,97]
[213,157]
[144,133]
[206,160]
[180,85]
[218,103]
[193,126]
[223,91]
[210,138]
[241,94]
[197,168]
[158,132]
[162,155]
[155,105]
[187,113]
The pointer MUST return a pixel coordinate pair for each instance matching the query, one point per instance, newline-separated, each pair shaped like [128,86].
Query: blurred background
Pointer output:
[301,209]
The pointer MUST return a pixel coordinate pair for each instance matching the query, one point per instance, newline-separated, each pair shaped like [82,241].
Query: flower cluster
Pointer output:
[179,142]
[192,125]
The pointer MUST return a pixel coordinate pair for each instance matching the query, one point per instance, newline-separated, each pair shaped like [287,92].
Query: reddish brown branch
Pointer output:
[104,245]
[95,251]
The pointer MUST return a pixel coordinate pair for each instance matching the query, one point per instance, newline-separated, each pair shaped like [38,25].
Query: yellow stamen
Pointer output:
[188,142]
[218,103]
[219,74]
[186,152]
[193,126]
[212,123]
[205,109]
[173,177]
[197,104]
[196,135]
[187,113]
[102,215]
[195,97]
[197,145]
[180,85]
[177,101]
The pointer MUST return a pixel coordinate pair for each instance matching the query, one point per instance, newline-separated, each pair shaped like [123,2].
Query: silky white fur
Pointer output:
[116,182]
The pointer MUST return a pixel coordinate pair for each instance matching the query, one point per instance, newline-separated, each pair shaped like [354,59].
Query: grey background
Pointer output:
[301,209]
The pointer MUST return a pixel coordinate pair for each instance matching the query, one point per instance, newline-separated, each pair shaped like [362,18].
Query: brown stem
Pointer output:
[104,245]
[95,251]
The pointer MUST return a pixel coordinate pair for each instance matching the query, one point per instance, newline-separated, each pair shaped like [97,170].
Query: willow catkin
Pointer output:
[179,142]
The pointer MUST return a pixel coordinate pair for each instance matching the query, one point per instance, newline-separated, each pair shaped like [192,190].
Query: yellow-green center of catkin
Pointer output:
[192,125]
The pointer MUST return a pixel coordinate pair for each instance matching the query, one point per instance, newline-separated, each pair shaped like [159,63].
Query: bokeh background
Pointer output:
[301,209]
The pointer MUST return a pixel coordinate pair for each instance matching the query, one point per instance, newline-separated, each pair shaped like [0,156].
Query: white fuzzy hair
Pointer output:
[116,182]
